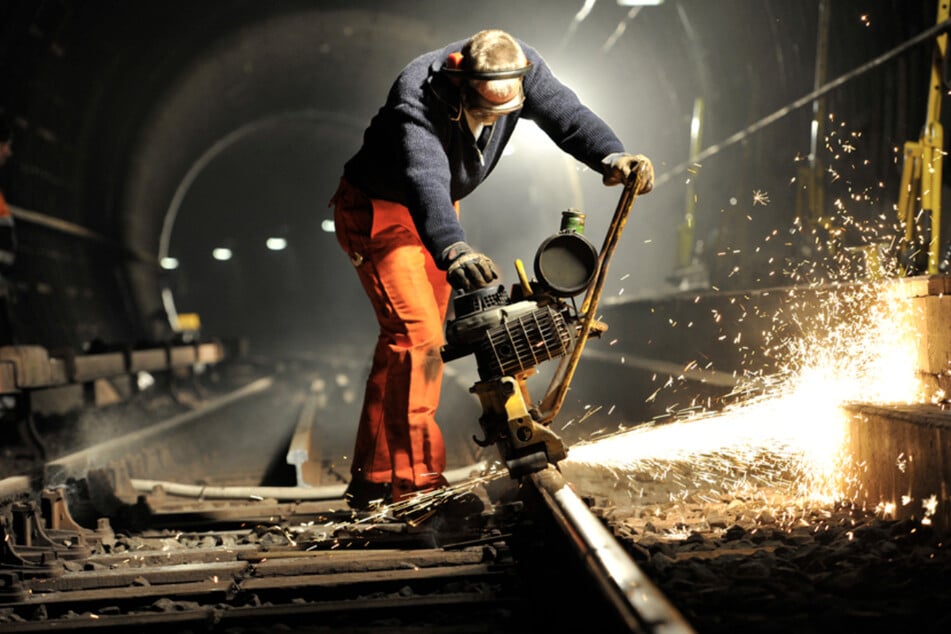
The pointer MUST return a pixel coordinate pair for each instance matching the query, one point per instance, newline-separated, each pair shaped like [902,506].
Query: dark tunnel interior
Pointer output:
[148,135]
[170,181]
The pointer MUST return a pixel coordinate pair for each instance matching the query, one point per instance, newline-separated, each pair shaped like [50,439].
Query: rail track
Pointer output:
[86,547]
[167,524]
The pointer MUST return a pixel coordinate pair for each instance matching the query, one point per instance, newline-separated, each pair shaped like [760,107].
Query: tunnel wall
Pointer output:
[277,66]
[114,101]
[79,79]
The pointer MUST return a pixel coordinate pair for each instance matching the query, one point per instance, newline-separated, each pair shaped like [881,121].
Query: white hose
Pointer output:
[331,492]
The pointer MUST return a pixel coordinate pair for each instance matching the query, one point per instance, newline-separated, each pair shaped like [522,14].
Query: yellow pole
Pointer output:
[922,168]
[932,142]
[686,230]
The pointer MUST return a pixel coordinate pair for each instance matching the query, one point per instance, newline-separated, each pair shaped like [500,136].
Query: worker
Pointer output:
[7,229]
[8,242]
[440,133]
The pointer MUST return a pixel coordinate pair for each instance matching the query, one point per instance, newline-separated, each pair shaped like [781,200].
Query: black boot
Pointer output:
[363,494]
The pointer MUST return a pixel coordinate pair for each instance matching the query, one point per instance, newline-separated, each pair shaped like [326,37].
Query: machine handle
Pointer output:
[558,387]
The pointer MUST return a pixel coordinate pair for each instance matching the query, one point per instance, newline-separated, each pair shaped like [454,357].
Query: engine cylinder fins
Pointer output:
[523,342]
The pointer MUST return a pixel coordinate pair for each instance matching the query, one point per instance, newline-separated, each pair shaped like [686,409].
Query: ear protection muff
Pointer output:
[453,63]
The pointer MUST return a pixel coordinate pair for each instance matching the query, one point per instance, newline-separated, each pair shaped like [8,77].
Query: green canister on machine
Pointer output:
[572,220]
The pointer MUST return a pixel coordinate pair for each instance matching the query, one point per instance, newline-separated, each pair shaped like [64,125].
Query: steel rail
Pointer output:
[81,461]
[638,603]
[612,578]
[209,577]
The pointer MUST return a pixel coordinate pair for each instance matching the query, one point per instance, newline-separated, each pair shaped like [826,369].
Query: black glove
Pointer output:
[621,167]
[468,269]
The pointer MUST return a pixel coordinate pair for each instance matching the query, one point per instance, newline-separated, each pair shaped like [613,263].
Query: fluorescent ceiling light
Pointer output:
[276,244]
[222,254]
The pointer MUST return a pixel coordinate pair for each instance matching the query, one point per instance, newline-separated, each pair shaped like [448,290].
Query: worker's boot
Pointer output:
[362,495]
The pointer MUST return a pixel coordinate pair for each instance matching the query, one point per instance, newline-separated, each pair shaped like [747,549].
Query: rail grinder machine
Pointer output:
[511,333]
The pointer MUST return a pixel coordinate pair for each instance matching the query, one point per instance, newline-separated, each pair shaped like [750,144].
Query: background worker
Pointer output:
[8,240]
[7,235]
[443,128]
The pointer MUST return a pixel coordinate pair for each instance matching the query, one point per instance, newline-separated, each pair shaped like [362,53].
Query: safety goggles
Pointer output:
[481,108]
[477,105]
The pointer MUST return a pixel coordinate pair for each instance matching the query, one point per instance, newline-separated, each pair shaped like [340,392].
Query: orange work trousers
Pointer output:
[398,439]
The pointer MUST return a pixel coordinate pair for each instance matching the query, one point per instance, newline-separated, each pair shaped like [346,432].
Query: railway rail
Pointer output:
[82,550]
[167,524]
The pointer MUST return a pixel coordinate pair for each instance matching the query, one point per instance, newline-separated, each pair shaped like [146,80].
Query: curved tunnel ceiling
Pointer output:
[127,116]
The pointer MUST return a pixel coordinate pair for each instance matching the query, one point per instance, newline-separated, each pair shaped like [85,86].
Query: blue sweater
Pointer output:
[418,151]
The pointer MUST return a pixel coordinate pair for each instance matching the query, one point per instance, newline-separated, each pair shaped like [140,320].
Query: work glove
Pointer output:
[468,269]
[621,167]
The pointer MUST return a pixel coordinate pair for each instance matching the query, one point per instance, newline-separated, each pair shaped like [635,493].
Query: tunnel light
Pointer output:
[639,3]
[222,254]
[328,226]
[169,264]
[144,381]
[276,244]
